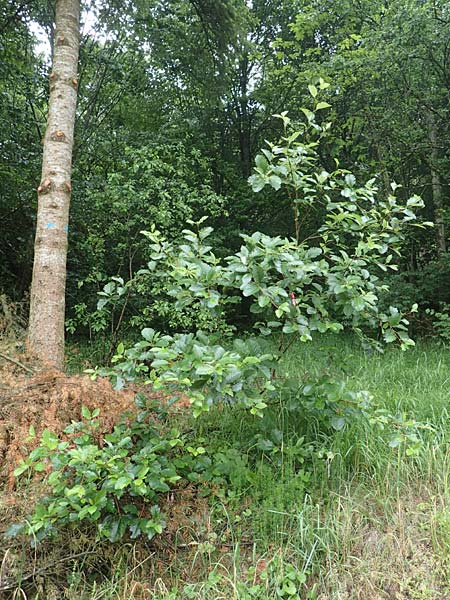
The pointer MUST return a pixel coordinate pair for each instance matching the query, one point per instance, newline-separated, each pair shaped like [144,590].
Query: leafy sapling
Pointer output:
[296,287]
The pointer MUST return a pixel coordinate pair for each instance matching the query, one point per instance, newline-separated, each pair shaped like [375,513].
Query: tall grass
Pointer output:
[369,514]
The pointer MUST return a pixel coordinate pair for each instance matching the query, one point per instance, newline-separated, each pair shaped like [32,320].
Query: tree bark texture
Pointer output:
[47,307]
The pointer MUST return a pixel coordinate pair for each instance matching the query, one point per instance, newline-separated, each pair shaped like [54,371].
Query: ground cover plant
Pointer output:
[291,508]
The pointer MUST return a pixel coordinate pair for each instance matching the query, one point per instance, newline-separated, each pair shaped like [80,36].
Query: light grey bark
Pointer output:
[47,307]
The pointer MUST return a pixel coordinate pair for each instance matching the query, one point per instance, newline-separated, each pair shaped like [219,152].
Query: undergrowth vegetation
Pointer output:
[296,288]
[253,400]
[294,511]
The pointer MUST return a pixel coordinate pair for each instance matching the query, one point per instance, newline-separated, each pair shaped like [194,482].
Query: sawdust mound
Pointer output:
[51,400]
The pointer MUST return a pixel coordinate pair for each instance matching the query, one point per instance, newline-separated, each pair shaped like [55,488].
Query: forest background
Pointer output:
[176,100]
[171,114]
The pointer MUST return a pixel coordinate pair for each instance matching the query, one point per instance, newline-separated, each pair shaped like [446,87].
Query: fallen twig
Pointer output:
[16,362]
[8,585]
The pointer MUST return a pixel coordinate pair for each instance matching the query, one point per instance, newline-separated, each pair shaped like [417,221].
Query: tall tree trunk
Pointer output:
[436,186]
[47,309]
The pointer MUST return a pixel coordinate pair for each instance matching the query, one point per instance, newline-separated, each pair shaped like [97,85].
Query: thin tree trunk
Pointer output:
[384,171]
[436,186]
[47,308]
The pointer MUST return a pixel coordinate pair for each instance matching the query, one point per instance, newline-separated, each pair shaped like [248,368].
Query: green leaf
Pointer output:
[261,163]
[257,182]
[14,530]
[159,362]
[289,588]
[338,423]
[148,334]
[275,182]
[205,370]
[308,113]
[389,336]
[350,180]
[395,442]
[263,301]
[122,483]
[49,439]
[21,469]
[250,289]
[322,105]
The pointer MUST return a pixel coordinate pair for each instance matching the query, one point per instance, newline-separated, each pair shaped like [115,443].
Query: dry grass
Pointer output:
[396,551]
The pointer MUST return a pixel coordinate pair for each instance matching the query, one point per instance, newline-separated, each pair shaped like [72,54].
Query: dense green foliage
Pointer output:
[304,498]
[295,289]
[205,260]
[175,100]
